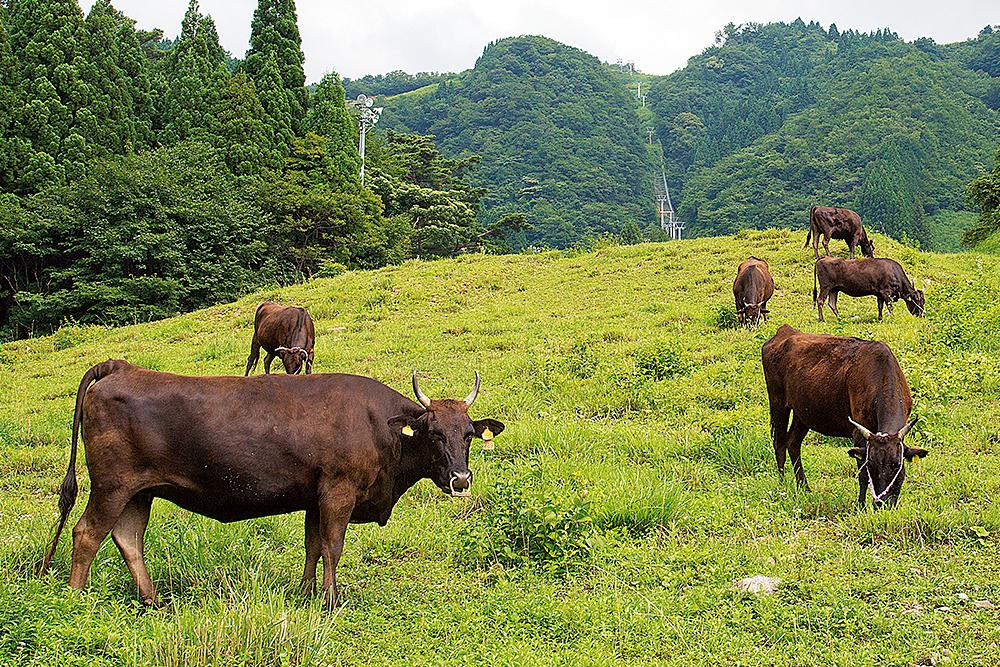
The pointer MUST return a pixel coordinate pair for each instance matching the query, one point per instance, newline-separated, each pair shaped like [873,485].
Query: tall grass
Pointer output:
[634,483]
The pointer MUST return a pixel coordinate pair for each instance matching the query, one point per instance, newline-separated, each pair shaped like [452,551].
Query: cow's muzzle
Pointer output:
[460,483]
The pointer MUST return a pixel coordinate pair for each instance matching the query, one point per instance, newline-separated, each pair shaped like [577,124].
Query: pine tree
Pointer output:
[275,43]
[119,119]
[329,117]
[48,39]
[7,143]
[195,73]
[244,139]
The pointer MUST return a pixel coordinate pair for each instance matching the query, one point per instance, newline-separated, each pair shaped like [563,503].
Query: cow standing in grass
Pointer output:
[831,222]
[846,388]
[882,278]
[283,331]
[751,290]
[343,448]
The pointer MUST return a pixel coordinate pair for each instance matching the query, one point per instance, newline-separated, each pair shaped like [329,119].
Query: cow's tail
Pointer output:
[68,489]
[815,280]
[809,233]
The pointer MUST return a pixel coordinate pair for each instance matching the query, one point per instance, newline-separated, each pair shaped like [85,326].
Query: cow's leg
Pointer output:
[795,436]
[861,443]
[128,534]
[254,356]
[833,303]
[820,298]
[881,301]
[826,245]
[313,549]
[309,363]
[267,362]
[779,433]
[335,507]
[851,246]
[101,515]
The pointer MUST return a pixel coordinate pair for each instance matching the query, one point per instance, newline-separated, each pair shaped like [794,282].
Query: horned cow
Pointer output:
[752,289]
[881,277]
[831,222]
[841,387]
[283,331]
[344,448]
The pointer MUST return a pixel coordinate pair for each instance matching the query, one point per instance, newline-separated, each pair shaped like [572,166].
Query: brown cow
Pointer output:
[343,448]
[837,223]
[752,289]
[846,388]
[881,277]
[283,331]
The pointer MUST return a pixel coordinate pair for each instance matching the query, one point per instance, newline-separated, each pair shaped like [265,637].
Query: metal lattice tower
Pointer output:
[668,222]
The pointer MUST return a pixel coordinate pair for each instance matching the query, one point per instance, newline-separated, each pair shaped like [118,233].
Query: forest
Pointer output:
[755,130]
[143,175]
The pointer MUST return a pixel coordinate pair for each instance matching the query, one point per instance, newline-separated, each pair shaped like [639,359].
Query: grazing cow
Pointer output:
[842,387]
[882,278]
[751,289]
[343,448]
[283,331]
[837,223]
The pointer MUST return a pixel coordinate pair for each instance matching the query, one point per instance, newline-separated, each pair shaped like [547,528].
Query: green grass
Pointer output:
[633,485]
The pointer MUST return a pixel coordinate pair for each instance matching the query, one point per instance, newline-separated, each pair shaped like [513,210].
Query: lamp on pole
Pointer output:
[367,117]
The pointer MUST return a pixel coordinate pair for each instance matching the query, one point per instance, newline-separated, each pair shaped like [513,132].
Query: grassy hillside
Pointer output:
[634,483]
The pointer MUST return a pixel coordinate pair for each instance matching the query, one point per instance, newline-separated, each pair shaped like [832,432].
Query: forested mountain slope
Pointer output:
[557,133]
[756,129]
[780,117]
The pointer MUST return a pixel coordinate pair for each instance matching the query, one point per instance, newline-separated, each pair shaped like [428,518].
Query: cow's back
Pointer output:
[235,447]
[816,375]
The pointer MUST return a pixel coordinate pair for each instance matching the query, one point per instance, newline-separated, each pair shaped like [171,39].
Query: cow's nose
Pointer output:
[460,483]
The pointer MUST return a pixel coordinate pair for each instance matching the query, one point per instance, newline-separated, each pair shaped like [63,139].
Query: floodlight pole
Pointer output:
[367,117]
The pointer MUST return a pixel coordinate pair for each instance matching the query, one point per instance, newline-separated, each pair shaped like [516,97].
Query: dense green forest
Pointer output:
[558,135]
[143,176]
[756,129]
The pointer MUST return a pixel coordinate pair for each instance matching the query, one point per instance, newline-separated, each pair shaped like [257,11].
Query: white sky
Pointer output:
[377,36]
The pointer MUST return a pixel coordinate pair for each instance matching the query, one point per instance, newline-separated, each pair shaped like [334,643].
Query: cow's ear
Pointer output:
[492,425]
[910,452]
[406,425]
[857,453]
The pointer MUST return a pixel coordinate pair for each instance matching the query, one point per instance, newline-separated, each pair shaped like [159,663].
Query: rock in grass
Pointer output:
[757,584]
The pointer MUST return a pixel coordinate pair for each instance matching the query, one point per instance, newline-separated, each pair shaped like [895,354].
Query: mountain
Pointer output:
[780,117]
[753,131]
[558,134]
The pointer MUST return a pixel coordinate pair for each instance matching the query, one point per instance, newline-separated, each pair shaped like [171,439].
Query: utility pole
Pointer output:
[367,117]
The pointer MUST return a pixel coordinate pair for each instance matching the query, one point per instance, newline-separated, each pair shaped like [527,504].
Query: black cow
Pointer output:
[882,278]
[343,448]
[751,290]
[283,331]
[831,222]
[841,387]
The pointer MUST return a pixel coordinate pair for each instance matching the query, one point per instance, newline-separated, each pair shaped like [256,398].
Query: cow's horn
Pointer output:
[421,396]
[906,429]
[865,432]
[475,391]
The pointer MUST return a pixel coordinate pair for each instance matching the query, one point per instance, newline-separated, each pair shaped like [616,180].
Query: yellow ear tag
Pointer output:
[407,431]
[487,439]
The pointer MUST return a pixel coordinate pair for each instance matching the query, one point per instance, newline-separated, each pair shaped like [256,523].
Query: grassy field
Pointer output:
[633,485]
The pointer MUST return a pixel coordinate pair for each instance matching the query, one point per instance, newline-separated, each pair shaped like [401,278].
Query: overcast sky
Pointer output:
[378,36]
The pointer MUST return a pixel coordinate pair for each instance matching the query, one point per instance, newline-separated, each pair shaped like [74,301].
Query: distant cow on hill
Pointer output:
[846,388]
[881,277]
[343,448]
[751,290]
[831,222]
[283,331]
